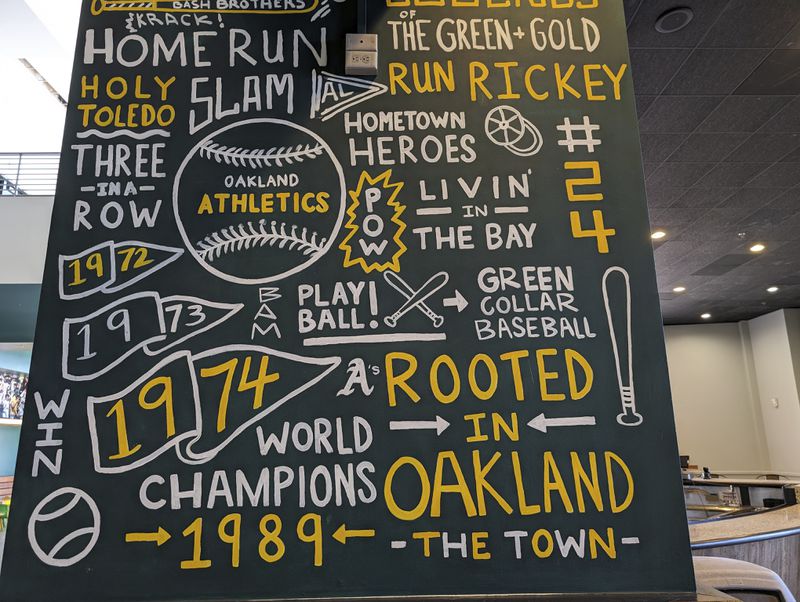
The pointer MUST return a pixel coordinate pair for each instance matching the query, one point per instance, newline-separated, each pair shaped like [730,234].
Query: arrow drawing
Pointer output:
[342,534]
[440,425]
[542,423]
[159,538]
[457,301]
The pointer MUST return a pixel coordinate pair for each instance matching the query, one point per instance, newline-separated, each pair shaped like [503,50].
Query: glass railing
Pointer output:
[28,174]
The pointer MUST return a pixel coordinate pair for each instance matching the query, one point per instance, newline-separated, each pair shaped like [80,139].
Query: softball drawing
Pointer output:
[260,200]
[64,527]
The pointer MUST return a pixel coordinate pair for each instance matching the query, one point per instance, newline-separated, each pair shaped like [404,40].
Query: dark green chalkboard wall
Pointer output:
[219,296]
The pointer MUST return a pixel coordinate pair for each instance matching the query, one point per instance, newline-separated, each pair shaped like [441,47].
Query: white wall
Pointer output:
[44,33]
[717,418]
[775,372]
[24,227]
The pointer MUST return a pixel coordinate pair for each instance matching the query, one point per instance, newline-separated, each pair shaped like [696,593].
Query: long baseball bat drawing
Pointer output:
[434,284]
[402,287]
[618,311]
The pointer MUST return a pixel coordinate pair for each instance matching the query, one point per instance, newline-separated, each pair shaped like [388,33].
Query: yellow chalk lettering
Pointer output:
[616,79]
[545,376]
[445,360]
[529,83]
[478,73]
[609,547]
[483,394]
[394,381]
[584,481]
[525,509]
[509,93]
[547,551]
[195,531]
[482,485]
[234,537]
[591,84]
[479,546]
[477,436]
[562,82]
[425,494]
[315,536]
[511,430]
[516,371]
[426,537]
[554,483]
[459,487]
[572,357]
[616,508]
[397,75]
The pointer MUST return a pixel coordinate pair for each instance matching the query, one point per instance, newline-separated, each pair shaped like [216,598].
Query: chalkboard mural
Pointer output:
[305,333]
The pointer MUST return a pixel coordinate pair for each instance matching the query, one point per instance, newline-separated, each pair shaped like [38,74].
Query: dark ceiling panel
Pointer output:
[662,197]
[643,103]
[715,71]
[778,74]
[679,175]
[792,157]
[792,39]
[704,197]
[780,175]
[653,68]
[748,200]
[753,24]
[678,114]
[786,120]
[764,221]
[743,113]
[731,174]
[765,147]
[657,147]
[672,220]
[708,146]
[723,265]
[631,6]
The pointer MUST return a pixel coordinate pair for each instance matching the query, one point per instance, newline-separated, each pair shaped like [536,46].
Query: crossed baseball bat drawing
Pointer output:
[416,298]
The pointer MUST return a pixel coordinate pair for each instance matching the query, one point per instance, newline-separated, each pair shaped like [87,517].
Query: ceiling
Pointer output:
[719,113]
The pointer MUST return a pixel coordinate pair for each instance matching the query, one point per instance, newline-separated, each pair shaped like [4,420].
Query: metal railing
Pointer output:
[28,174]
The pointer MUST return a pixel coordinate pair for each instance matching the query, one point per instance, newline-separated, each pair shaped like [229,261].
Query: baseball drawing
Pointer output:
[259,200]
[507,128]
[64,527]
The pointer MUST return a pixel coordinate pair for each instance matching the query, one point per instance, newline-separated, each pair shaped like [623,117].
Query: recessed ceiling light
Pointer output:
[773,289]
[706,316]
[679,289]
[674,20]
[758,248]
[658,235]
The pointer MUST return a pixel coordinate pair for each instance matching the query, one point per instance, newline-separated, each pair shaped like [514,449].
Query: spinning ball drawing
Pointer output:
[260,200]
[64,527]
[507,128]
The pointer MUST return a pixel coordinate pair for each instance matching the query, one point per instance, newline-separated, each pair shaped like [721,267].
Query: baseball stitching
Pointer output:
[247,236]
[237,156]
